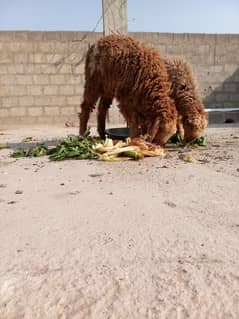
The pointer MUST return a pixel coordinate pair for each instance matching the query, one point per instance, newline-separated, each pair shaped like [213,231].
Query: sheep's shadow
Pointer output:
[26,145]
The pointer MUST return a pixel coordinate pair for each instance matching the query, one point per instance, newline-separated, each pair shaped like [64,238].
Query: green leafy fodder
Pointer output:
[36,151]
[175,139]
[3,146]
[74,147]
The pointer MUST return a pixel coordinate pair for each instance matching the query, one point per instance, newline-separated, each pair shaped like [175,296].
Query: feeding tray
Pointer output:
[118,133]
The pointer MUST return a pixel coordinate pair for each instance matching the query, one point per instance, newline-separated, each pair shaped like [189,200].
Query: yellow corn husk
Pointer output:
[114,158]
[149,153]
[100,148]
[132,152]
[156,152]
[159,151]
[117,159]
[135,154]
[2,146]
[108,142]
[189,158]
[120,144]
[123,150]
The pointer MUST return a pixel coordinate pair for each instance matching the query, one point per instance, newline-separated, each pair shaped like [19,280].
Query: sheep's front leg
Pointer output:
[87,106]
[134,125]
[152,130]
[180,128]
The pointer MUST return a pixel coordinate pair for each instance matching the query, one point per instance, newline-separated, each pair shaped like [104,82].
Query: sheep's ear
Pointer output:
[153,129]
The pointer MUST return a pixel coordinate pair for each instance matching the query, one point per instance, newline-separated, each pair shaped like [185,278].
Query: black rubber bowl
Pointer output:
[118,133]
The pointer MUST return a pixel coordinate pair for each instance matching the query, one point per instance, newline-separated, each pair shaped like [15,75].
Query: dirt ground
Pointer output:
[156,238]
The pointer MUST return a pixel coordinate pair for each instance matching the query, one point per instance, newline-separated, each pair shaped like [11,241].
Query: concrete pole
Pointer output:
[114,16]
[114,22]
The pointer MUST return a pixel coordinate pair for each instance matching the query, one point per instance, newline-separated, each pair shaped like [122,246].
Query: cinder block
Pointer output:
[51,110]
[9,101]
[80,69]
[50,90]
[228,104]
[57,100]
[16,90]
[15,68]
[66,89]
[236,79]
[37,58]
[40,79]
[8,79]
[57,79]
[35,111]
[230,68]
[69,110]
[54,58]
[222,97]
[230,87]
[48,69]
[14,46]
[4,112]
[161,48]
[216,68]
[73,100]
[34,90]
[66,69]
[6,57]
[3,69]
[46,46]
[52,35]
[26,100]
[79,89]
[61,47]
[21,58]
[74,79]
[23,79]
[18,111]
[235,98]
[30,68]
[42,100]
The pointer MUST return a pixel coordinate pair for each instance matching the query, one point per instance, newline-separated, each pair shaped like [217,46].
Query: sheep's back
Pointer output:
[127,63]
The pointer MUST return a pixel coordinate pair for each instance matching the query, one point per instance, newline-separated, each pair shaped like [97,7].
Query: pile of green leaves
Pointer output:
[73,147]
[36,151]
[175,139]
[3,146]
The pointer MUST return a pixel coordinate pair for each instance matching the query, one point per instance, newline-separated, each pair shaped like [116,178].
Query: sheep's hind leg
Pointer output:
[104,105]
[87,107]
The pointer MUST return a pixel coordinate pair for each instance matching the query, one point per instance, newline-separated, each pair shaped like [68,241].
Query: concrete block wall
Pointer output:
[41,76]
[42,73]
[214,59]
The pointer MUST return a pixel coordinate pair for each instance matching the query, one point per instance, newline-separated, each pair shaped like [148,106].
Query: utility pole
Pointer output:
[114,16]
[114,22]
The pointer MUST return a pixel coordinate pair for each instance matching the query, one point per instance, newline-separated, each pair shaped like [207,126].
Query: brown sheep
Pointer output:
[192,116]
[120,67]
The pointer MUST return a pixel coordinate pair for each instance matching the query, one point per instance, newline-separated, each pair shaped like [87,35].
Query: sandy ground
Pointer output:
[157,238]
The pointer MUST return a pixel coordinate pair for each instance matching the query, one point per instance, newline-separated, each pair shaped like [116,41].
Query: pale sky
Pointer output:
[200,16]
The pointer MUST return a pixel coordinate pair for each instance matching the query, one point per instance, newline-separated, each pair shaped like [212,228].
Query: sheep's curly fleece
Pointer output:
[192,118]
[121,67]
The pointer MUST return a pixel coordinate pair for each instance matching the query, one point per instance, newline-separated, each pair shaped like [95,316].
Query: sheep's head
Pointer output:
[160,133]
[194,126]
